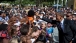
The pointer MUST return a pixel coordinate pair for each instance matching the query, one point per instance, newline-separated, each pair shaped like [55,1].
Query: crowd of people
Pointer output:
[36,25]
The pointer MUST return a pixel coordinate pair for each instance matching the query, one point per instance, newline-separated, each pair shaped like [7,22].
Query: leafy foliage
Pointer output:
[24,2]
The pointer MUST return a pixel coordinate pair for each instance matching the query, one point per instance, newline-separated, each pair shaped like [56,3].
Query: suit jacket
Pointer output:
[74,33]
[66,35]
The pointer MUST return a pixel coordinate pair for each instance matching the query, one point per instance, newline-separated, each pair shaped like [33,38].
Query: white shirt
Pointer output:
[62,21]
[17,24]
[33,40]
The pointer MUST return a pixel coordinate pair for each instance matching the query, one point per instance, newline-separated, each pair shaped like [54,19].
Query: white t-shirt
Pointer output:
[32,40]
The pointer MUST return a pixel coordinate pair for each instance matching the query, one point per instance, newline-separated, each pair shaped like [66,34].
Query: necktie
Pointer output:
[62,26]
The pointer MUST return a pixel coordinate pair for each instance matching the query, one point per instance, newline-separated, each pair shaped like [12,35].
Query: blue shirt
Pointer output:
[49,30]
[5,19]
[1,19]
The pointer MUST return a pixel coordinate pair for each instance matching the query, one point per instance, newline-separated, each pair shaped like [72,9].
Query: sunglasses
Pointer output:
[67,16]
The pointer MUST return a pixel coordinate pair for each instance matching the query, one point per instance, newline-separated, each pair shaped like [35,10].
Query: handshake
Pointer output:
[49,20]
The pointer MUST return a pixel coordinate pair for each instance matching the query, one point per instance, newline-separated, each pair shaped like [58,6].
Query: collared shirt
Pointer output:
[5,20]
[62,25]
[62,21]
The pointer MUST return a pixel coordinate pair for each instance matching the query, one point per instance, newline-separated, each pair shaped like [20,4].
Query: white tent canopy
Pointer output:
[7,4]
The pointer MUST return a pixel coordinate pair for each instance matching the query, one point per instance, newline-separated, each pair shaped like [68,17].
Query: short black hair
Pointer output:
[24,29]
[74,14]
[1,12]
[3,27]
[60,14]
[38,17]
[69,12]
[31,13]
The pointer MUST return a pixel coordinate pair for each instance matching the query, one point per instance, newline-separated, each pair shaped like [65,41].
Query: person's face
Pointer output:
[15,20]
[69,16]
[18,16]
[36,34]
[36,13]
[3,15]
[49,24]
[43,25]
[74,17]
[50,17]
[37,19]
[17,30]
[53,12]
[58,17]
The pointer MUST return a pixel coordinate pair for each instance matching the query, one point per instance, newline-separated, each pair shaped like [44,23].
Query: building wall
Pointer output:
[74,4]
[70,3]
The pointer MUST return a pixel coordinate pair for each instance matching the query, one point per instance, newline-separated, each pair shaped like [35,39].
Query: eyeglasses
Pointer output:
[67,16]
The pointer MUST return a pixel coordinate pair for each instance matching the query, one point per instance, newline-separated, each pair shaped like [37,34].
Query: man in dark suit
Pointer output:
[74,20]
[69,15]
[65,28]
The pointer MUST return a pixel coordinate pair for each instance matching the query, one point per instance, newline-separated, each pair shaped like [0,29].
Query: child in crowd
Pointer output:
[49,31]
